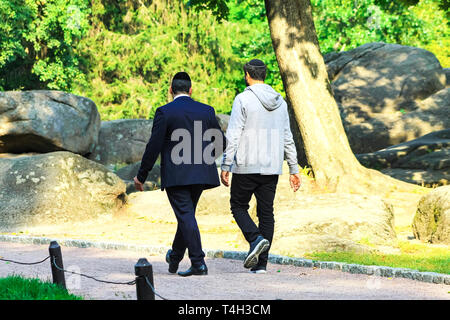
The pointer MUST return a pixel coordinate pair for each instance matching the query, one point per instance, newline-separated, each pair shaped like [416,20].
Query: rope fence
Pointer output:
[145,289]
[25,263]
[133,282]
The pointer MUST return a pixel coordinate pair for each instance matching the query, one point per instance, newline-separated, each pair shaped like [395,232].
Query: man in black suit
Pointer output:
[188,137]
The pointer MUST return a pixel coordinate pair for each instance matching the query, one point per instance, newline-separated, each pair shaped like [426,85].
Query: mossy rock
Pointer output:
[432,220]
[47,121]
[56,187]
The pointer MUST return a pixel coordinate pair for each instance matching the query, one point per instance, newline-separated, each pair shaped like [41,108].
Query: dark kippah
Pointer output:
[256,63]
[182,76]
[181,82]
[256,69]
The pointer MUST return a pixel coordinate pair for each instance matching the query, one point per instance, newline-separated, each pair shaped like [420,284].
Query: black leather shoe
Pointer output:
[173,266]
[256,248]
[195,271]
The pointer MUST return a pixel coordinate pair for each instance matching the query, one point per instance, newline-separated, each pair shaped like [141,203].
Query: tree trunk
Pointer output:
[309,94]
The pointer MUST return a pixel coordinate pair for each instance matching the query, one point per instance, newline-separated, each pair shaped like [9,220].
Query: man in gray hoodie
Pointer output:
[259,138]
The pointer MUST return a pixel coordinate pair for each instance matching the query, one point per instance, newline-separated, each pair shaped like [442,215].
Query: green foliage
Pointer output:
[130,61]
[346,24]
[252,11]
[37,43]
[436,35]
[219,8]
[123,53]
[13,23]
[18,288]
[255,42]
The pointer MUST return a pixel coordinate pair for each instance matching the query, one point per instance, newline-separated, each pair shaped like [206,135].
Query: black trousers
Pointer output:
[183,200]
[243,186]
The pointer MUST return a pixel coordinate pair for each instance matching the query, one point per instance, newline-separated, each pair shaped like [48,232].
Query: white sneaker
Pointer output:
[259,271]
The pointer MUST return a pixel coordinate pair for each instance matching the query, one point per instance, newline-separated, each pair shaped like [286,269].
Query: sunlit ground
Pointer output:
[143,222]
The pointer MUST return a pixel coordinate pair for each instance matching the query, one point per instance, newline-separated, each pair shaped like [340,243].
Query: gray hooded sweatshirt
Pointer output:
[258,136]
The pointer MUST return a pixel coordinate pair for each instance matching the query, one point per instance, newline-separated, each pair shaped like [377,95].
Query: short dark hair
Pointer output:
[256,69]
[181,82]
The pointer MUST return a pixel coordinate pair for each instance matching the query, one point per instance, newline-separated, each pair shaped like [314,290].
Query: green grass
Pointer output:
[19,288]
[420,257]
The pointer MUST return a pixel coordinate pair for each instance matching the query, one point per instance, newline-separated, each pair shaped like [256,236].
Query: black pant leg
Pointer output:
[179,246]
[196,192]
[265,195]
[181,199]
[242,188]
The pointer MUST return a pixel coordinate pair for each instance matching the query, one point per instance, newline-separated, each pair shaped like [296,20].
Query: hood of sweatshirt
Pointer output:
[269,98]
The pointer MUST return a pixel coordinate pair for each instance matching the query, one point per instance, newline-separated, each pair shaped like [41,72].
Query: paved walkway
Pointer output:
[227,279]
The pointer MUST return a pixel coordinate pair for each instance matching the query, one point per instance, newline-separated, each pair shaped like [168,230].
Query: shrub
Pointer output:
[37,43]
[123,53]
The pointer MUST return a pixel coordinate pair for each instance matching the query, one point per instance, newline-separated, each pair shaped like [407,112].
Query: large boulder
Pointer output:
[54,188]
[46,121]
[372,132]
[122,141]
[381,76]
[425,160]
[432,220]
[388,94]
[422,177]
[433,159]
[402,154]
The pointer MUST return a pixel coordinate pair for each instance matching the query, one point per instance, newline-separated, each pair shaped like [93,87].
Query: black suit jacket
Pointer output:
[182,113]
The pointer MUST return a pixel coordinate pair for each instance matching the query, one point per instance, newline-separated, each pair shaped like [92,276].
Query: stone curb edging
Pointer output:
[380,271]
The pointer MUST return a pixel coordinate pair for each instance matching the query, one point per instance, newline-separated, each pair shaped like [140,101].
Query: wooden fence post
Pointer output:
[56,258]
[143,269]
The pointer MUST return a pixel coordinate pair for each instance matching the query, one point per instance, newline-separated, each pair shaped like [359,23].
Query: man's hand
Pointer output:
[225,176]
[295,181]
[138,185]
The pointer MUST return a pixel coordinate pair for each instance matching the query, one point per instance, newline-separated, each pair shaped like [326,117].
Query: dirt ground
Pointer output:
[142,222]
[227,279]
